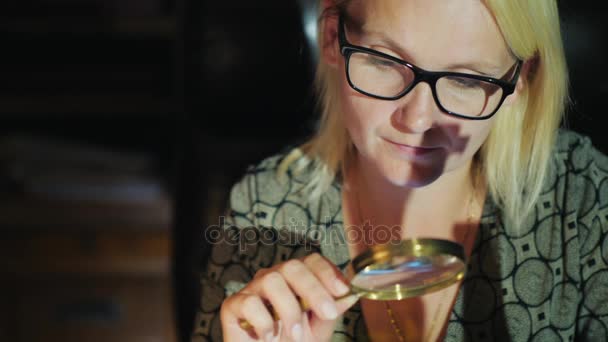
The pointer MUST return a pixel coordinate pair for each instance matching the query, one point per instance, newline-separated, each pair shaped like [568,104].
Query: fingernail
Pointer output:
[269,337]
[349,301]
[329,310]
[341,287]
[296,331]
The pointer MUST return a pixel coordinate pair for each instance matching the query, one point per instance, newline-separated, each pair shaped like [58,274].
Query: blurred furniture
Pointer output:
[83,258]
[86,245]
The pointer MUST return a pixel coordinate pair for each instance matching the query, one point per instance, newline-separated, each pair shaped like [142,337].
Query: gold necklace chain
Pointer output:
[389,311]
[391,317]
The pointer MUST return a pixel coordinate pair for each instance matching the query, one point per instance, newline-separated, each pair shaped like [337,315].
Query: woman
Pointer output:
[440,118]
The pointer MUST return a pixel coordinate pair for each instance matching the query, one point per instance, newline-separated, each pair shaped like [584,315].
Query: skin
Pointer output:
[407,149]
[415,120]
[313,278]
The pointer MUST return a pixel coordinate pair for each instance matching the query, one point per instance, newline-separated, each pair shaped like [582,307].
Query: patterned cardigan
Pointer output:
[545,282]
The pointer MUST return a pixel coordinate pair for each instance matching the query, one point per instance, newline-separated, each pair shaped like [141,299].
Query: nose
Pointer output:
[416,110]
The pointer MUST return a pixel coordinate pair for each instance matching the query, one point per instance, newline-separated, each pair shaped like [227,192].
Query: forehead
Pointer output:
[435,33]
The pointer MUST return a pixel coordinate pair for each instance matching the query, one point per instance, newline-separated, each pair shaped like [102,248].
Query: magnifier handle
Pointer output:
[303,306]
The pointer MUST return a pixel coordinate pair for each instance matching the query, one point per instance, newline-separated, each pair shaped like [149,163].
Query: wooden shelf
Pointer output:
[94,310]
[18,213]
[87,280]
[114,253]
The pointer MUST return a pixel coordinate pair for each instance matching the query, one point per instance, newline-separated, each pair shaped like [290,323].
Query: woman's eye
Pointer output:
[464,82]
[380,62]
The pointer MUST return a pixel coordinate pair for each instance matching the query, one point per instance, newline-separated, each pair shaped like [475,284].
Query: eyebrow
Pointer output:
[484,68]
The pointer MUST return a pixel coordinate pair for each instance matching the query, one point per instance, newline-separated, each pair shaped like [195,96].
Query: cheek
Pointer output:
[363,117]
[469,140]
[479,133]
[357,122]
[363,125]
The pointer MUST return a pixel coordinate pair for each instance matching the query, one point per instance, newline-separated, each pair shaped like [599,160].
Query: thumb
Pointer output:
[345,303]
[321,330]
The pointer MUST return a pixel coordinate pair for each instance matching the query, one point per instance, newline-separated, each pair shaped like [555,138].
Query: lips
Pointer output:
[411,149]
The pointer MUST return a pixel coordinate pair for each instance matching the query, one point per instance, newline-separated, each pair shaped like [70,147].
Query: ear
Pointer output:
[330,50]
[522,81]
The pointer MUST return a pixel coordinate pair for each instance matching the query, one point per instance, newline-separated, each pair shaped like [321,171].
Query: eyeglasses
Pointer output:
[382,76]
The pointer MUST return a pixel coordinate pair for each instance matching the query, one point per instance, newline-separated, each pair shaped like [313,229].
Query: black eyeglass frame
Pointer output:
[421,75]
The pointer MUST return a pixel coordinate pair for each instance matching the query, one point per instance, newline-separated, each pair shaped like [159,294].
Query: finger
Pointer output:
[283,300]
[321,328]
[328,274]
[306,285]
[345,303]
[250,308]
[262,272]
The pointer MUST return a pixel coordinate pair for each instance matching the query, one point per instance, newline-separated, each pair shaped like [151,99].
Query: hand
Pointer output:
[313,278]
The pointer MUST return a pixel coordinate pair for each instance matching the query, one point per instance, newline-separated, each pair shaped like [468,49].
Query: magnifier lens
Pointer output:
[397,273]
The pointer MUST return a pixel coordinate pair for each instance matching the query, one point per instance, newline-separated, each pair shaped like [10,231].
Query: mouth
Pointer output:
[411,150]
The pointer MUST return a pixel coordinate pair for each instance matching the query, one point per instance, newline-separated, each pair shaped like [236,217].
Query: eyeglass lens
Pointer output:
[386,78]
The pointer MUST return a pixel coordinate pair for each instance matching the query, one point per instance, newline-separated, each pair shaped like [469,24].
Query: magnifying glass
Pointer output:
[403,269]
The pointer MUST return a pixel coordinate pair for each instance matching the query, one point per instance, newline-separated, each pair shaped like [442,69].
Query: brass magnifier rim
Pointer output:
[417,247]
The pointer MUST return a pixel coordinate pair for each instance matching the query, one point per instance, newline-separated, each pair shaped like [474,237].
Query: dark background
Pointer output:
[201,89]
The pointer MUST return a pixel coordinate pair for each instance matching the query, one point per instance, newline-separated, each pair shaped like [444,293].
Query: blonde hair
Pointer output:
[515,157]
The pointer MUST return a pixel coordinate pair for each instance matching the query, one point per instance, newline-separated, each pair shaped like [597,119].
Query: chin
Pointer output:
[411,176]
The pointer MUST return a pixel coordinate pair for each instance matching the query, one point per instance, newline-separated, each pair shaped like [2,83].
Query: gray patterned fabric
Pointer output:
[547,281]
